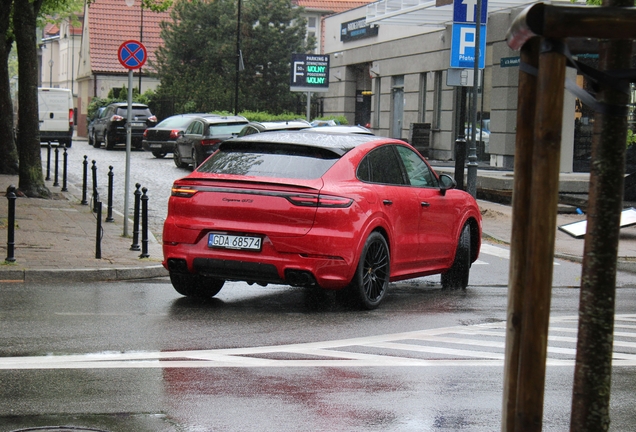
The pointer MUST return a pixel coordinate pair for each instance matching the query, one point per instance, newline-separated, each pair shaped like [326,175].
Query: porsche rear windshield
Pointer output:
[270,160]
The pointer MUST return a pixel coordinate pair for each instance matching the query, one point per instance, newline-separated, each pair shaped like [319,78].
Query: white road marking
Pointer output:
[449,346]
[489,249]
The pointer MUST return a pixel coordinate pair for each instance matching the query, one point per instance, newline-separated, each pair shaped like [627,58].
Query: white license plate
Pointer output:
[227,241]
[138,124]
[155,145]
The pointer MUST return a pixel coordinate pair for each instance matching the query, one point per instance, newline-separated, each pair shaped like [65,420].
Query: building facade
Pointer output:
[398,79]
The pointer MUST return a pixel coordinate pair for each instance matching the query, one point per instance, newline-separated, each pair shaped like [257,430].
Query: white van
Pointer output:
[56,115]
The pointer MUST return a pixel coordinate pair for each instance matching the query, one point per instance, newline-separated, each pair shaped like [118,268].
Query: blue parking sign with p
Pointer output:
[463,46]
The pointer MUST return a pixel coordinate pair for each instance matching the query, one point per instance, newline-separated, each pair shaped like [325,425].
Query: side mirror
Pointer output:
[446,182]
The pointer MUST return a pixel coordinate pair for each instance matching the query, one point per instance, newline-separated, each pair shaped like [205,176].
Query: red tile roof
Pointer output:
[333,6]
[111,23]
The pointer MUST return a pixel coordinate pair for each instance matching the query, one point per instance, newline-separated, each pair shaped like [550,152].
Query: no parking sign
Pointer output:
[132,54]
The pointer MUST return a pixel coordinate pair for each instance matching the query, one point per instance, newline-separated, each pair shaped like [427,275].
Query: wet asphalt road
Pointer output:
[136,356]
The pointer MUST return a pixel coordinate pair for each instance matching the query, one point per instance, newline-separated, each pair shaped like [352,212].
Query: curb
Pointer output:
[622,265]
[83,275]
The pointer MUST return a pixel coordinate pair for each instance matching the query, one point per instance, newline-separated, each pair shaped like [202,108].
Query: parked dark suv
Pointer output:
[110,127]
[203,136]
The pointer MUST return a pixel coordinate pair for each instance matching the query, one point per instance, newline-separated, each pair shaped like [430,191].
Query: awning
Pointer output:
[426,12]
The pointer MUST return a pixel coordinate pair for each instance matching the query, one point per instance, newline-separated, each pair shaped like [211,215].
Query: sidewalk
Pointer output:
[55,240]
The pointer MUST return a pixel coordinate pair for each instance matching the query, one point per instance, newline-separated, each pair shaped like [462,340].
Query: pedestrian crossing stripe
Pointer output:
[480,345]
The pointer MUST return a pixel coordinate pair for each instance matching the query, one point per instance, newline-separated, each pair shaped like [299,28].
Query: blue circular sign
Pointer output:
[132,54]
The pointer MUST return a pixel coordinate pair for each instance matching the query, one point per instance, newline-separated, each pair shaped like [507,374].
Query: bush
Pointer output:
[341,120]
[262,116]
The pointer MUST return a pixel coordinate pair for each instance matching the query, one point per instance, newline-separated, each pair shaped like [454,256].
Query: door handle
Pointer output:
[387,202]
[425,204]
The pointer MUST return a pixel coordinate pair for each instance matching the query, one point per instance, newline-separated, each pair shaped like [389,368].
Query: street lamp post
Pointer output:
[51,73]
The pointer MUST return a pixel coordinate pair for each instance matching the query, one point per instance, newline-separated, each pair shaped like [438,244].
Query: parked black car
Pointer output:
[110,127]
[161,139]
[203,136]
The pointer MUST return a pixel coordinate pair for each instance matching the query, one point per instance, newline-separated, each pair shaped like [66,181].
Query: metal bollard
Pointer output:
[64,167]
[85,180]
[11,196]
[57,157]
[135,243]
[95,193]
[460,160]
[144,225]
[98,234]
[109,216]
[48,161]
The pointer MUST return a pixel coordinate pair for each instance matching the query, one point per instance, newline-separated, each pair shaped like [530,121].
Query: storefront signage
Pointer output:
[358,29]
[309,73]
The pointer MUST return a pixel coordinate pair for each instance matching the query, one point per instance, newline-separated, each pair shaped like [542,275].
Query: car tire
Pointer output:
[108,142]
[96,143]
[67,144]
[371,280]
[90,139]
[159,155]
[457,276]
[196,286]
[176,157]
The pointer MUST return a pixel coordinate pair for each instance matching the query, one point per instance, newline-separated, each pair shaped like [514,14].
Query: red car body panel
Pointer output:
[421,224]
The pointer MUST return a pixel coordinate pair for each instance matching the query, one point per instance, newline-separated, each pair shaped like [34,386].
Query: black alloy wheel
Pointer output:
[371,280]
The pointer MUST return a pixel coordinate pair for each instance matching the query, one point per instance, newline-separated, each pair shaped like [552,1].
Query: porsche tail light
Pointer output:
[116,117]
[152,119]
[330,201]
[183,191]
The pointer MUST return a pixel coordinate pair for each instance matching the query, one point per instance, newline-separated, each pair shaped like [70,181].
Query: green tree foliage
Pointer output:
[197,64]
[19,21]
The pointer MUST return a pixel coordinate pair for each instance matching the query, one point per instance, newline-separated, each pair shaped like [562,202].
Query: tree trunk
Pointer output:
[31,180]
[8,150]
[593,370]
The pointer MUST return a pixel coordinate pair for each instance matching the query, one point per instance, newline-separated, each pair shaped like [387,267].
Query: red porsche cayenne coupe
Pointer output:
[334,211]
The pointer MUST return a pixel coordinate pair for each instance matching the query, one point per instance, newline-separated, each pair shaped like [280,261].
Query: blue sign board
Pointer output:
[463,46]
[465,11]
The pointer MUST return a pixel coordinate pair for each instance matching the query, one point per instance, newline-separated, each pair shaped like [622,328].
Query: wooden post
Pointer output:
[521,220]
[541,233]
[593,370]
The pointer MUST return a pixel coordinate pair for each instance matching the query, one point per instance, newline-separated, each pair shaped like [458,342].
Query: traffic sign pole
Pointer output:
[128,145]
[132,55]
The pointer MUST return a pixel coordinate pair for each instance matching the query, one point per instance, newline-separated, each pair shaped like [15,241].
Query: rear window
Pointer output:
[135,112]
[270,160]
[175,122]
[226,129]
